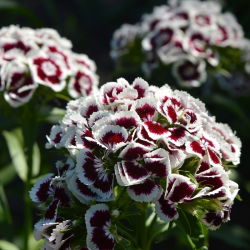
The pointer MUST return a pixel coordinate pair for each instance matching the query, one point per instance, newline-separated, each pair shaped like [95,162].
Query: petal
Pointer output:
[55,137]
[111,137]
[195,148]
[213,219]
[214,177]
[100,239]
[148,191]
[179,188]
[103,186]
[177,158]
[95,116]
[87,166]
[133,172]
[166,210]
[97,216]
[141,86]
[51,212]
[61,194]
[82,192]
[120,175]
[63,166]
[171,113]
[126,119]
[133,151]
[177,136]
[41,228]
[157,162]
[88,107]
[155,130]
[146,108]
[141,136]
[213,157]
[84,139]
[41,191]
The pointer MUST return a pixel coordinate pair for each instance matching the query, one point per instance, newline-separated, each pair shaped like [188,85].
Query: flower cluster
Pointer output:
[189,36]
[159,145]
[29,58]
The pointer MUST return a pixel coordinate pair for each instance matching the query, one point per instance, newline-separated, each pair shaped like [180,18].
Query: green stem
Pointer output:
[29,128]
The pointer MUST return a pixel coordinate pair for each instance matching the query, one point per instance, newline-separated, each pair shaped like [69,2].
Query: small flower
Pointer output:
[190,73]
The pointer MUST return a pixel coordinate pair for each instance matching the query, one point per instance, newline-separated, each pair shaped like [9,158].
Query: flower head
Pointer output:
[29,58]
[158,144]
[185,37]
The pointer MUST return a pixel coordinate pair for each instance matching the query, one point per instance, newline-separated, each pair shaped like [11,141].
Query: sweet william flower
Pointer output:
[30,58]
[185,38]
[137,144]
[134,135]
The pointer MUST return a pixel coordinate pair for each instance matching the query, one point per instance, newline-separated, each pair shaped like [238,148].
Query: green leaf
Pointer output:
[5,245]
[196,232]
[51,116]
[14,144]
[7,173]
[36,160]
[5,4]
[33,243]
[4,207]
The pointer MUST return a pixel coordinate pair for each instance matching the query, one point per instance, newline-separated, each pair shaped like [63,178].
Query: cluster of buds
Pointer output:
[157,144]
[29,58]
[189,36]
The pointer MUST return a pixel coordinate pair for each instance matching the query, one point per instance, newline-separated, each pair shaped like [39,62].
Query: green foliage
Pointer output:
[4,207]
[14,142]
[196,232]
[5,245]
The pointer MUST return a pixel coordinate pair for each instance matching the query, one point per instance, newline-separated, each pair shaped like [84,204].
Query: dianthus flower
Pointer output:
[189,37]
[157,144]
[33,57]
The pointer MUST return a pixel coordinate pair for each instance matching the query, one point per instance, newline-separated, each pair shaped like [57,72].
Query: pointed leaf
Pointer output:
[17,155]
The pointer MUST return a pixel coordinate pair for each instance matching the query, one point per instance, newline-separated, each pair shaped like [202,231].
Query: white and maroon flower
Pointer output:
[148,191]
[82,83]
[13,48]
[179,188]
[111,137]
[98,224]
[55,137]
[42,57]
[42,189]
[159,145]
[122,39]
[19,85]
[230,143]
[213,219]
[166,210]
[190,73]
[176,31]
[205,146]
[162,36]
[48,72]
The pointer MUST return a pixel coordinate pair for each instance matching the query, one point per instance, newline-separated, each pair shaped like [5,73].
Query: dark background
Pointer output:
[89,24]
